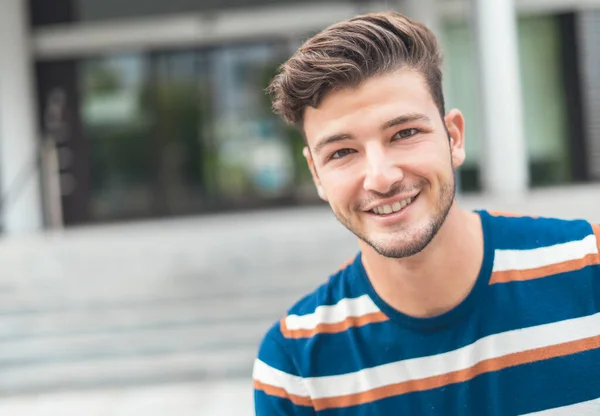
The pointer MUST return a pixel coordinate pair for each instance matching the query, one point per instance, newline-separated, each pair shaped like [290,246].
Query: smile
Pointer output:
[392,208]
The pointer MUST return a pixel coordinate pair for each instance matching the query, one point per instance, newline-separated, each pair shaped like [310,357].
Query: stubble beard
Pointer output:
[419,239]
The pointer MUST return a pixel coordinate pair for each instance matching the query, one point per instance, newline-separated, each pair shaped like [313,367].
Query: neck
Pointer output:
[438,278]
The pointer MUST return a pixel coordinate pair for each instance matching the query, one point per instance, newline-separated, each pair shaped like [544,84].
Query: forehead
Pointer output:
[369,105]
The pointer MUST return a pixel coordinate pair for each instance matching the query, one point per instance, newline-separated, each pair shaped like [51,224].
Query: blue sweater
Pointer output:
[526,340]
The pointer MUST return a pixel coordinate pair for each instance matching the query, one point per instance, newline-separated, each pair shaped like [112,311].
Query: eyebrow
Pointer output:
[329,140]
[406,118]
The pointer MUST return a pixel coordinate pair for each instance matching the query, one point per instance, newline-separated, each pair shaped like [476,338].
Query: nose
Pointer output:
[382,171]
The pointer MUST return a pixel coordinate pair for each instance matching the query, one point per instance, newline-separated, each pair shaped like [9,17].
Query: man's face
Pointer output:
[381,155]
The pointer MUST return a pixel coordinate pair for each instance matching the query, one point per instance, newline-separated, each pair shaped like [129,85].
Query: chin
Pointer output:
[398,250]
[405,243]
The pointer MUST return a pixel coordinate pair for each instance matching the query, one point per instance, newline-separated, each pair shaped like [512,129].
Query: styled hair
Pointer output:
[350,52]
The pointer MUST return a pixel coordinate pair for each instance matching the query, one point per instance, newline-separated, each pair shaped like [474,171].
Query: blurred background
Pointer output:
[157,218]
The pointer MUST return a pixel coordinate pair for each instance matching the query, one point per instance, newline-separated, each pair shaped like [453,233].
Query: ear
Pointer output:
[455,123]
[313,172]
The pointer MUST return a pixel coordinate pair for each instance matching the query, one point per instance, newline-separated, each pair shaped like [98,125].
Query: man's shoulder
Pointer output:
[528,248]
[325,308]
[515,231]
[337,286]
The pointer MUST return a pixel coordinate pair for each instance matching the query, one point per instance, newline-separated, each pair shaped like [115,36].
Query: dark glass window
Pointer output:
[183,132]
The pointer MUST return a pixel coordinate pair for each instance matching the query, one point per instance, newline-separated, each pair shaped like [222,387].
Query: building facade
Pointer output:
[157,108]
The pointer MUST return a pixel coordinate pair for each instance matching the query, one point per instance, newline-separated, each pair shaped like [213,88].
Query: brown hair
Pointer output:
[349,52]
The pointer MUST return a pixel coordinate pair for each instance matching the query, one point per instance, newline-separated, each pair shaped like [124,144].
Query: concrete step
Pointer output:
[192,398]
[102,318]
[31,301]
[211,366]
[181,337]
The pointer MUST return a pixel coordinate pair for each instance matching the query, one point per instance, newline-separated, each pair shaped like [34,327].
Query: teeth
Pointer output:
[388,209]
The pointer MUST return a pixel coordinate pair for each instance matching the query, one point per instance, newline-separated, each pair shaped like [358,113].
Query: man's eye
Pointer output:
[340,153]
[404,134]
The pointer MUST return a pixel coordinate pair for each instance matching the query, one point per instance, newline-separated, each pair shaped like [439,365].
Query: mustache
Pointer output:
[396,189]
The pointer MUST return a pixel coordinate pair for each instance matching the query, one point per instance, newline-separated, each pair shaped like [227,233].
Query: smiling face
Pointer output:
[384,159]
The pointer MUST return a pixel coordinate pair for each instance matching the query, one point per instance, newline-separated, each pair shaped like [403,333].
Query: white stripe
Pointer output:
[493,346]
[544,256]
[266,374]
[332,314]
[580,409]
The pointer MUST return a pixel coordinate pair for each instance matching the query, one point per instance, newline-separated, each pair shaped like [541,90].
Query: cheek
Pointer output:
[342,185]
[427,160]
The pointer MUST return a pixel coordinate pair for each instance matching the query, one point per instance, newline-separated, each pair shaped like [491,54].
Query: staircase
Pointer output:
[155,302]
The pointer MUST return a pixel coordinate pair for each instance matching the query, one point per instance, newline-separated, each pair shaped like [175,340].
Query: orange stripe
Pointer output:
[279,392]
[495,364]
[509,215]
[353,321]
[596,229]
[530,274]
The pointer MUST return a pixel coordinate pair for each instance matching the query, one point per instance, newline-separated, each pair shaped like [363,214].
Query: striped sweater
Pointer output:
[525,341]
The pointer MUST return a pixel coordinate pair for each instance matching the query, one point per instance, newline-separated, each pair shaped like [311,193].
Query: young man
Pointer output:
[443,311]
